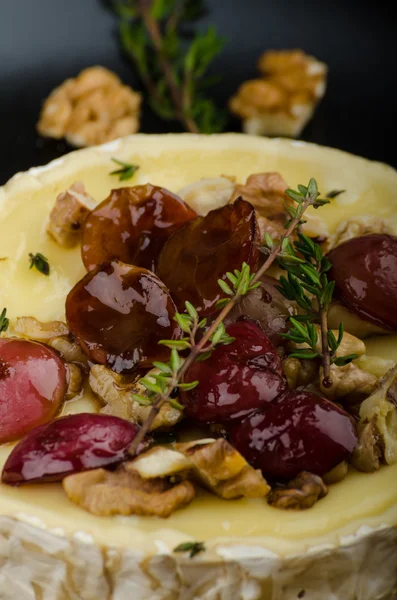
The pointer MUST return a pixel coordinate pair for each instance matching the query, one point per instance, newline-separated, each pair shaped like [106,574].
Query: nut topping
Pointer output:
[368,452]
[300,493]
[223,470]
[124,492]
[68,215]
[92,109]
[116,392]
[33,329]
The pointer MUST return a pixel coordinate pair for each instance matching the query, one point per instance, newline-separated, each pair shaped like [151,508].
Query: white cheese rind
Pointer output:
[45,547]
[38,564]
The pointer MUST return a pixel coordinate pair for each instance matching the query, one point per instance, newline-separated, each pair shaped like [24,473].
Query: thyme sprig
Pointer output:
[4,321]
[307,284]
[174,71]
[126,170]
[241,282]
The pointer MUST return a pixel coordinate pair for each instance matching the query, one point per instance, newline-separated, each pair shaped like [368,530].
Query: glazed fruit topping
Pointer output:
[132,226]
[201,252]
[118,313]
[237,379]
[69,445]
[365,272]
[299,432]
[33,383]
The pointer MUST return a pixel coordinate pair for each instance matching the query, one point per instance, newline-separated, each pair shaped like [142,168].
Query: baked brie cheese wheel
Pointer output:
[89,537]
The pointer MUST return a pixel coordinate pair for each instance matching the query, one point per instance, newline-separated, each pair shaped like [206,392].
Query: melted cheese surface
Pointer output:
[173,162]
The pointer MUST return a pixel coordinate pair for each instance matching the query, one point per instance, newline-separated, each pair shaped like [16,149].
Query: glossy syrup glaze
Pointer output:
[298,432]
[119,313]
[132,225]
[32,386]
[201,252]
[238,378]
[365,272]
[69,445]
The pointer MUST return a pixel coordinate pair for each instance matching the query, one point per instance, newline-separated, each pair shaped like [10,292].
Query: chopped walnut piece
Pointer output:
[266,193]
[68,215]
[116,391]
[220,468]
[381,410]
[34,329]
[70,351]
[161,461]
[356,227]
[93,108]
[124,492]
[75,381]
[349,382]
[301,493]
[284,99]
[368,452]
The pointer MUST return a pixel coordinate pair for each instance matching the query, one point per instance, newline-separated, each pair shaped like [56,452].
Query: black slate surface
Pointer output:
[42,42]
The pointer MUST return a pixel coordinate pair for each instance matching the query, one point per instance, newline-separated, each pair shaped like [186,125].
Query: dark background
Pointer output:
[42,42]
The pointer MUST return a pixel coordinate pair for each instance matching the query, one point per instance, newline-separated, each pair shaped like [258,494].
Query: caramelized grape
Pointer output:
[69,445]
[118,313]
[238,378]
[299,432]
[201,252]
[365,272]
[32,386]
[132,226]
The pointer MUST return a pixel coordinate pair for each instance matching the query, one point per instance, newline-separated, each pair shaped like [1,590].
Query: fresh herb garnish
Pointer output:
[4,322]
[334,193]
[126,170]
[193,548]
[155,36]
[40,262]
[307,284]
[161,387]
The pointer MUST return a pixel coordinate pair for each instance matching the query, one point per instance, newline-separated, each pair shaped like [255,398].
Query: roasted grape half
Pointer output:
[132,226]
[33,383]
[203,250]
[365,272]
[69,445]
[237,379]
[298,432]
[118,313]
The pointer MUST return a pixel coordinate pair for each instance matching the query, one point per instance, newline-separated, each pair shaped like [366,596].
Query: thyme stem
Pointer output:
[154,32]
[198,347]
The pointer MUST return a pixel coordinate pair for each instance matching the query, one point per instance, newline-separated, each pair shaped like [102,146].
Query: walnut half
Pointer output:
[223,470]
[124,492]
[91,109]
[301,493]
[284,99]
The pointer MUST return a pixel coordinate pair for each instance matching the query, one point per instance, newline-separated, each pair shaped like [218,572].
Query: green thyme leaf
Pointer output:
[163,367]
[175,404]
[184,322]
[4,322]
[175,361]
[225,288]
[191,310]
[303,354]
[142,400]
[177,344]
[341,361]
[334,193]
[39,262]
[188,386]
[193,548]
[126,171]
[150,385]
